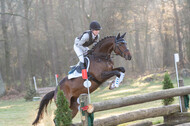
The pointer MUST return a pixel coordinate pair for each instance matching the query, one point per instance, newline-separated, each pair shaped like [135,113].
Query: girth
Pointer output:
[90,77]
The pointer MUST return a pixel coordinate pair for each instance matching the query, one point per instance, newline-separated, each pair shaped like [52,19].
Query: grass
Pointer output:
[21,113]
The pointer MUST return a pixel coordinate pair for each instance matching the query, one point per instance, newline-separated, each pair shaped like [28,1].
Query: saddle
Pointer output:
[77,67]
[76,71]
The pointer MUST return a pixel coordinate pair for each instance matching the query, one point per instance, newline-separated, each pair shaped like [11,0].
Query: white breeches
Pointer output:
[80,51]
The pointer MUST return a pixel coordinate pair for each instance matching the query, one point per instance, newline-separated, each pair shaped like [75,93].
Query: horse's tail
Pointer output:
[43,104]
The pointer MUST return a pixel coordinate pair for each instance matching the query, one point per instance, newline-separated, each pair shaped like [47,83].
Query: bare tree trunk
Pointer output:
[6,43]
[187,6]
[166,59]
[36,14]
[2,86]
[145,62]
[188,44]
[164,37]
[85,14]
[178,35]
[18,46]
[49,44]
[55,52]
[138,54]
[130,47]
[30,66]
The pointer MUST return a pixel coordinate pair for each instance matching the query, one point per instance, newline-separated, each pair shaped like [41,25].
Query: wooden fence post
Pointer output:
[84,115]
[172,119]
[181,84]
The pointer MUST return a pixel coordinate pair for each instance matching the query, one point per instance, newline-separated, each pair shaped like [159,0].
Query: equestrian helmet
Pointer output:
[95,26]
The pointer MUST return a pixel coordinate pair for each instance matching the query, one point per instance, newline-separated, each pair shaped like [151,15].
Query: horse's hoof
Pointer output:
[112,86]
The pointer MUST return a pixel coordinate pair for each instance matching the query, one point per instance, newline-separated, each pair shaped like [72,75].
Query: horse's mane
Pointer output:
[101,42]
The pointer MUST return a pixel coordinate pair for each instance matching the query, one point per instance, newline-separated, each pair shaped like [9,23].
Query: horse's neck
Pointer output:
[106,47]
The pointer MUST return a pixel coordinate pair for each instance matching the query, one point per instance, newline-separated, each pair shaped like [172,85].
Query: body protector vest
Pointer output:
[90,41]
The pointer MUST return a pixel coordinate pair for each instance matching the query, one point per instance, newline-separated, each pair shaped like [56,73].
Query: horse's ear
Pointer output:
[123,35]
[118,36]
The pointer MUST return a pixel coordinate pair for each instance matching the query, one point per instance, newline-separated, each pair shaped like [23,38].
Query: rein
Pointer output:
[109,56]
[122,52]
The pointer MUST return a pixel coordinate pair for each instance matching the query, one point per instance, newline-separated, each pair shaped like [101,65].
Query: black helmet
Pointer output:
[95,26]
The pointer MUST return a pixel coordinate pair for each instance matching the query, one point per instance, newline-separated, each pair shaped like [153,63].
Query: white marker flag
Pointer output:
[176,57]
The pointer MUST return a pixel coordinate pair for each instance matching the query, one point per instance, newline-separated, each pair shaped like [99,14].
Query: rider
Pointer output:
[88,38]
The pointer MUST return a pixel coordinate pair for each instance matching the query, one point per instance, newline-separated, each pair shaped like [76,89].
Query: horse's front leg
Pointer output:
[119,72]
[109,74]
[121,69]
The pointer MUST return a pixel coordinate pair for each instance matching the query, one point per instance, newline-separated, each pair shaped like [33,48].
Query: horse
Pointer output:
[101,69]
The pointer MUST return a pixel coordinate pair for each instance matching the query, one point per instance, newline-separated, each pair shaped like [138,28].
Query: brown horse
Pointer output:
[101,69]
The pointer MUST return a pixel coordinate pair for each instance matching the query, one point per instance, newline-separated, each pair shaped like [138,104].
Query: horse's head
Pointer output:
[120,47]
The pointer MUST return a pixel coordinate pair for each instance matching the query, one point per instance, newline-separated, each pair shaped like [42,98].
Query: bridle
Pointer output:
[117,44]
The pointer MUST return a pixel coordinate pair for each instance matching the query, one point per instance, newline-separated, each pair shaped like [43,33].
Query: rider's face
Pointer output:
[95,32]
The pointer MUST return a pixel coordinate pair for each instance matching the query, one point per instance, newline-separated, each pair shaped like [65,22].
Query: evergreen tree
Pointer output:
[63,116]
[31,92]
[167,84]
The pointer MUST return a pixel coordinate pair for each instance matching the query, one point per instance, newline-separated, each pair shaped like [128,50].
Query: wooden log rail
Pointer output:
[169,112]
[142,98]
[135,115]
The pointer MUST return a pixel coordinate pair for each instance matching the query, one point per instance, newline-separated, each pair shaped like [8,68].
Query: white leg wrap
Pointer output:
[121,77]
[118,80]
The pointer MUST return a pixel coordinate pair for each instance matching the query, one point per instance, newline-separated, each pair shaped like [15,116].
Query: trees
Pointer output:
[26,4]
[39,35]
[6,44]
[179,39]
[18,48]
[2,89]
[167,84]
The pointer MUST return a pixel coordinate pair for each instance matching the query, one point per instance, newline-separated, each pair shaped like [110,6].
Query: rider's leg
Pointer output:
[80,51]
[82,65]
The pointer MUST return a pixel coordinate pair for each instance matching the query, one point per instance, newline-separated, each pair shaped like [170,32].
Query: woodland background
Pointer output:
[37,36]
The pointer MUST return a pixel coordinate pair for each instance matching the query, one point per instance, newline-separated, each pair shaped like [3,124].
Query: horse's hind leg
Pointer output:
[74,106]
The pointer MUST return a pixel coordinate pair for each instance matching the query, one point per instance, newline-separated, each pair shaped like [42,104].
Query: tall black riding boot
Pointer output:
[82,66]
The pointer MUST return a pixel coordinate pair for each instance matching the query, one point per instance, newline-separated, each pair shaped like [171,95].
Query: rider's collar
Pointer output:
[93,36]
